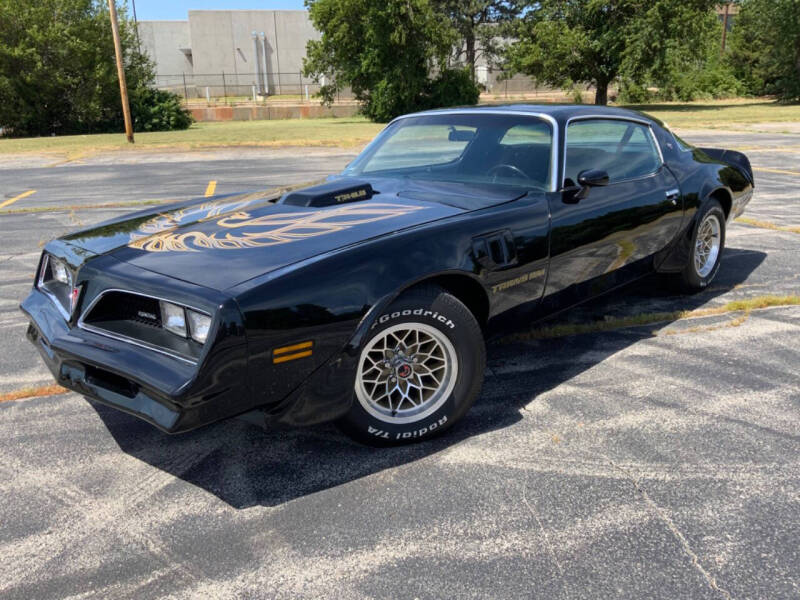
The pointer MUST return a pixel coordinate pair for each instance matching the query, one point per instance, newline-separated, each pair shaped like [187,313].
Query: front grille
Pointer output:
[137,318]
[124,306]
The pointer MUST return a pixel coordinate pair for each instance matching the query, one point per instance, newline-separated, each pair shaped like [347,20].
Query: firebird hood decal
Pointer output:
[240,229]
[219,243]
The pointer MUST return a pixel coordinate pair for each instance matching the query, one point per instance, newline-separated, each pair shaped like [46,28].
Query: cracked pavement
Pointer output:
[660,461]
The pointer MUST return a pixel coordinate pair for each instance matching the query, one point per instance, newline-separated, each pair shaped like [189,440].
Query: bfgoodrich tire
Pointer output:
[708,242]
[419,371]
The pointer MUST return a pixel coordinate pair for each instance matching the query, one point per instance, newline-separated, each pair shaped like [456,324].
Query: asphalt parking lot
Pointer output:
[660,461]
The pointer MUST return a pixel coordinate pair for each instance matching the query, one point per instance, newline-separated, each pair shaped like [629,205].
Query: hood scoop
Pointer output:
[330,194]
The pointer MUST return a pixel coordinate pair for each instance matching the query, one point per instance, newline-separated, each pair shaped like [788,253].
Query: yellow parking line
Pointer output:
[15,198]
[776,171]
[47,390]
[770,149]
[211,188]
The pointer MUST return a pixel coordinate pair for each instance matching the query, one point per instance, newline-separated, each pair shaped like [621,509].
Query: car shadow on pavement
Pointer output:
[245,464]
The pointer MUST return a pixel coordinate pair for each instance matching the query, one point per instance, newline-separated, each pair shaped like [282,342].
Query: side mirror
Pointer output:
[586,180]
[460,135]
[592,178]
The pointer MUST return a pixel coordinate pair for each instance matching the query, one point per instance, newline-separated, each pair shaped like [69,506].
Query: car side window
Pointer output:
[624,149]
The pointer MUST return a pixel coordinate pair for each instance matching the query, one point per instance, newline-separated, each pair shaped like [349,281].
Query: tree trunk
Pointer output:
[470,43]
[601,94]
[797,61]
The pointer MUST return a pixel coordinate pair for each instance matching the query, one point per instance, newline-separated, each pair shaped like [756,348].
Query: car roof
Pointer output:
[560,112]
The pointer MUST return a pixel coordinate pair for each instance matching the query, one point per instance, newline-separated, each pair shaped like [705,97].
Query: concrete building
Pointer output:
[168,45]
[233,52]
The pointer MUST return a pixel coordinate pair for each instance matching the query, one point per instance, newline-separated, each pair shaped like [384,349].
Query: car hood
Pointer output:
[223,241]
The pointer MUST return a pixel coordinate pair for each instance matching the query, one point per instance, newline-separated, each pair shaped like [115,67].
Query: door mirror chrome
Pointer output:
[592,178]
[586,180]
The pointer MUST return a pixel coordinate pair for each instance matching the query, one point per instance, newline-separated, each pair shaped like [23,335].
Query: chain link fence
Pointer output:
[244,88]
[216,89]
[499,85]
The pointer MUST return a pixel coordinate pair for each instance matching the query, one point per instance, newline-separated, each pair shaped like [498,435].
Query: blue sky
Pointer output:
[147,10]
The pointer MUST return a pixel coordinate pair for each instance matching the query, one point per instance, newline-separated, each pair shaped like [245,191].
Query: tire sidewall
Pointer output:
[693,278]
[446,314]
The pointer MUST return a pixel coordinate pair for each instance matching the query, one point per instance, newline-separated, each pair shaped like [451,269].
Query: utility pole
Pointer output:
[136,25]
[123,87]
[725,27]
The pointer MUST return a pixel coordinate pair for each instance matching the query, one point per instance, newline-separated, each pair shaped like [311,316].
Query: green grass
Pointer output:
[351,131]
[356,131]
[768,225]
[722,114]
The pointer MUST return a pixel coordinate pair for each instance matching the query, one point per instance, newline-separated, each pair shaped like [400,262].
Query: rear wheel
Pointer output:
[419,371]
[708,242]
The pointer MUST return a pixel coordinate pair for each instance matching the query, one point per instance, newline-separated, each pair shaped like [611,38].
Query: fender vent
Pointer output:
[495,250]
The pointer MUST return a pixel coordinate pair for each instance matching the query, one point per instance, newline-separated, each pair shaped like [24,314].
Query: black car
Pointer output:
[366,299]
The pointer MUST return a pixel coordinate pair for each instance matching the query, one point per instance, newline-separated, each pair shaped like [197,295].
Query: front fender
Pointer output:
[331,301]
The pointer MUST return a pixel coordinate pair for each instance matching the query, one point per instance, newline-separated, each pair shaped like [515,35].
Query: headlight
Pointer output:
[173,318]
[55,280]
[180,320]
[60,272]
[199,324]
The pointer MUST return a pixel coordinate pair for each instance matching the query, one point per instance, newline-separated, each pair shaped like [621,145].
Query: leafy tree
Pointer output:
[158,110]
[765,47]
[562,42]
[452,87]
[475,22]
[680,71]
[57,69]
[386,52]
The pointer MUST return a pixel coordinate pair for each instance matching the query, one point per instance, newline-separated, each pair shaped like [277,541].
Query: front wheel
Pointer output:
[708,242]
[419,371]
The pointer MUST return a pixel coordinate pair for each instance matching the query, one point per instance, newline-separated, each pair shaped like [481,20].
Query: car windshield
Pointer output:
[466,148]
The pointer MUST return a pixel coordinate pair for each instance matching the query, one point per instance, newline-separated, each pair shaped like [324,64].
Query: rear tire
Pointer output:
[419,371]
[708,243]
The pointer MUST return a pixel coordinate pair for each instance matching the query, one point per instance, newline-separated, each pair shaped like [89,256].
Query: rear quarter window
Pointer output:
[682,146]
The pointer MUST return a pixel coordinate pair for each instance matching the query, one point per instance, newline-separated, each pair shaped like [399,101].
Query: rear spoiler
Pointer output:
[733,158]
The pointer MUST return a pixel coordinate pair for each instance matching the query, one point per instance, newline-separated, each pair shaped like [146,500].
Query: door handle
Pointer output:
[672,195]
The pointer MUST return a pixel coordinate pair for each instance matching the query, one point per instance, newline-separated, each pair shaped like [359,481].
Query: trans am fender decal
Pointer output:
[246,231]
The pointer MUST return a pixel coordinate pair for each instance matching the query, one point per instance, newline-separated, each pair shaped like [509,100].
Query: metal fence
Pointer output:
[500,84]
[215,88]
[249,88]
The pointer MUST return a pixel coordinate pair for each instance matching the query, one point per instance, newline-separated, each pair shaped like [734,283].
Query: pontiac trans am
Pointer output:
[366,299]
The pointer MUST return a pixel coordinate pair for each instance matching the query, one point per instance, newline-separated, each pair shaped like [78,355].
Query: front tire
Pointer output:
[419,371]
[708,242]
